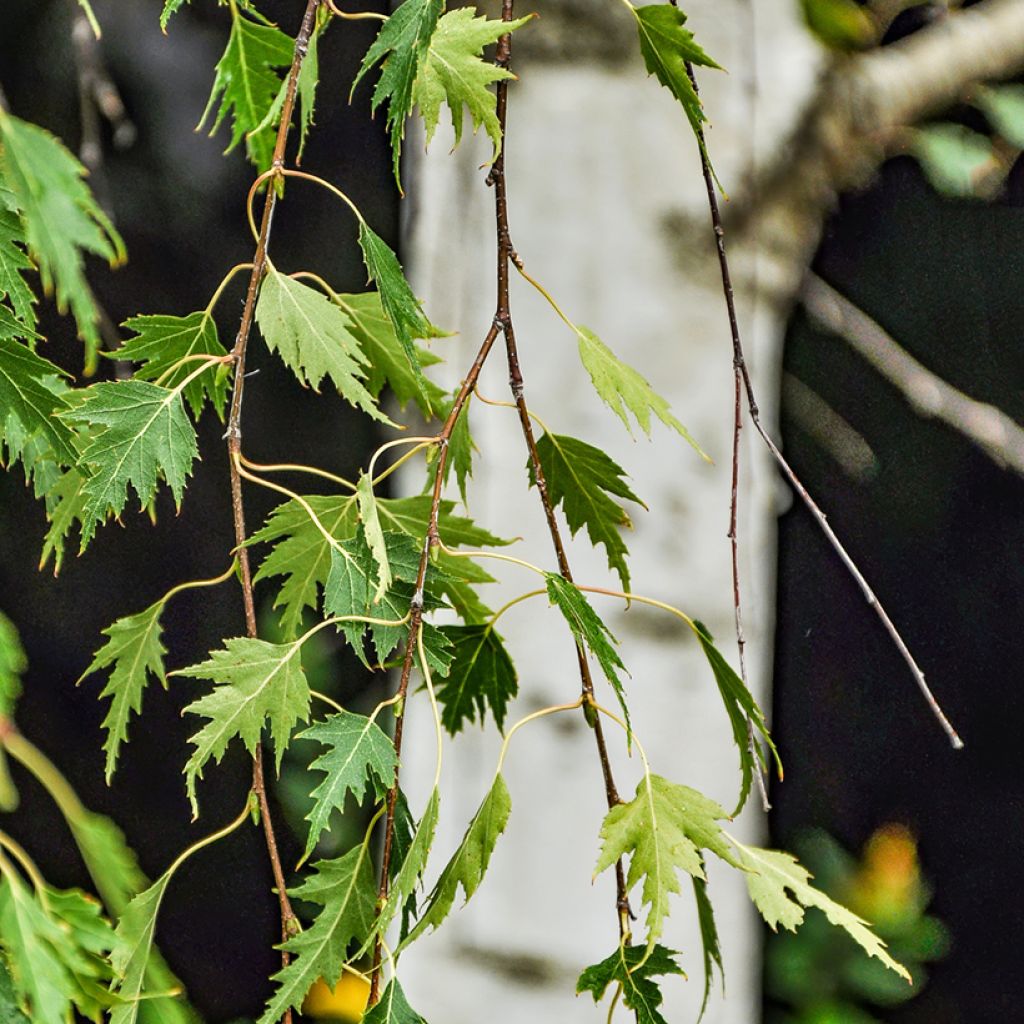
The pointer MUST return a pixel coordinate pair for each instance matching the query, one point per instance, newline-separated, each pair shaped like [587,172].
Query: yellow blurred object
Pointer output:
[345,1002]
[840,24]
[888,884]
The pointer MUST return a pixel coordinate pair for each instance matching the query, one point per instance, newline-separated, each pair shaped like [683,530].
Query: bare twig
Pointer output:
[740,364]
[928,394]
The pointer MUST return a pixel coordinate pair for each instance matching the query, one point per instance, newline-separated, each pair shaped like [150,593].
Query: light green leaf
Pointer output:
[373,533]
[454,72]
[781,889]
[591,632]
[170,7]
[482,676]
[402,45]
[61,219]
[408,876]
[66,503]
[663,830]
[345,888]
[134,944]
[91,939]
[666,47]
[1004,107]
[27,395]
[311,334]
[13,664]
[469,862]
[401,307]
[953,157]
[256,681]
[633,968]
[388,363]
[148,434]
[624,391]
[163,341]
[13,264]
[393,1008]
[246,85]
[358,751]
[742,710]
[135,650]
[580,477]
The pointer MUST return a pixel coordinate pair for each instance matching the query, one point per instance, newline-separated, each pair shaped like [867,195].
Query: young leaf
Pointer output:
[413,864]
[345,888]
[13,664]
[623,390]
[393,1008]
[590,631]
[14,263]
[134,944]
[373,533]
[460,451]
[781,889]
[163,341]
[455,73]
[60,217]
[482,676]
[387,361]
[246,85]
[663,830]
[309,79]
[402,308]
[256,681]
[580,477]
[147,434]
[135,651]
[633,968]
[742,709]
[402,45]
[469,862]
[357,751]
[26,395]
[710,947]
[666,48]
[311,334]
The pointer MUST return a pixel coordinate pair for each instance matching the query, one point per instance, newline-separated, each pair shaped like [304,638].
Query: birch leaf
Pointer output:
[393,1008]
[633,968]
[482,677]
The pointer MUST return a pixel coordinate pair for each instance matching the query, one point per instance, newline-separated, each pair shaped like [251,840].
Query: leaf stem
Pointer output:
[326,700]
[429,682]
[511,405]
[297,467]
[33,872]
[420,442]
[353,15]
[228,278]
[195,584]
[529,718]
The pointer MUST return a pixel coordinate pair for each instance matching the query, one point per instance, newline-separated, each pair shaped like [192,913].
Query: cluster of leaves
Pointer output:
[348,559]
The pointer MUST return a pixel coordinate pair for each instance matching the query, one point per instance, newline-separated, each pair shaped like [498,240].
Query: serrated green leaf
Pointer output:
[135,650]
[245,84]
[624,390]
[455,73]
[61,219]
[311,334]
[633,968]
[345,888]
[742,710]
[460,451]
[147,435]
[256,682]
[358,751]
[13,264]
[91,939]
[781,889]
[401,307]
[388,363]
[309,79]
[402,45]
[66,503]
[393,1008]
[580,477]
[170,7]
[38,950]
[26,395]
[10,1012]
[710,947]
[663,830]
[590,631]
[13,664]
[469,862]
[367,502]
[162,341]
[482,676]
[134,944]
[667,47]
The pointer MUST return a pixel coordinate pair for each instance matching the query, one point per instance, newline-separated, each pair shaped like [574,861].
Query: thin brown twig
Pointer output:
[739,362]
[234,444]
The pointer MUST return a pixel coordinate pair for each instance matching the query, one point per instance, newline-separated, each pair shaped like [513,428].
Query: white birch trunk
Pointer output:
[608,210]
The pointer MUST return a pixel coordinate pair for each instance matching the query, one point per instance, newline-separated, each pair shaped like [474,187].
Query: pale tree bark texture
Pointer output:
[608,210]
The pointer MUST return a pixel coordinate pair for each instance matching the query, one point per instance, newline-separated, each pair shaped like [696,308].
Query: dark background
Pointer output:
[938,529]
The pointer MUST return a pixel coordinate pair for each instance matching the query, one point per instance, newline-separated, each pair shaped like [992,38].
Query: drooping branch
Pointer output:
[928,394]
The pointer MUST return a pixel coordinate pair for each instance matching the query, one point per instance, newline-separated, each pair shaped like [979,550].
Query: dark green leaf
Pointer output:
[413,864]
[482,676]
[460,451]
[163,341]
[66,503]
[358,751]
[393,1008]
[633,968]
[711,950]
[580,477]
[13,264]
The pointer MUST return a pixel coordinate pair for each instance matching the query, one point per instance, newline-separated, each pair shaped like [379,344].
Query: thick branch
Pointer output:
[929,395]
